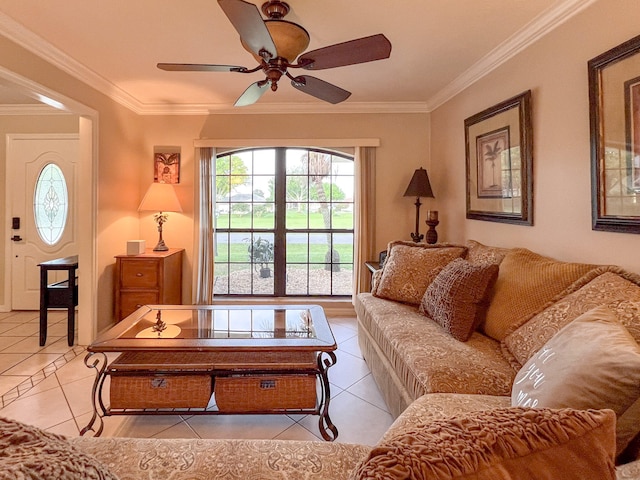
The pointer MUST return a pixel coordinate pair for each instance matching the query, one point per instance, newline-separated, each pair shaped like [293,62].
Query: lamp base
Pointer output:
[417,237]
[160,219]
[160,247]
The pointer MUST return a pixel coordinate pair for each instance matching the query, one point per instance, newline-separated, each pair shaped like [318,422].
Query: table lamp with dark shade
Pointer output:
[419,187]
[162,198]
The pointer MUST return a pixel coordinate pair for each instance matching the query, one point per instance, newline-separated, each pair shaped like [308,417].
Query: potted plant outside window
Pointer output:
[261,255]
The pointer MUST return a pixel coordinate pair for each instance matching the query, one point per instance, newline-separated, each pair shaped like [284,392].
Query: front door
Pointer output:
[41,176]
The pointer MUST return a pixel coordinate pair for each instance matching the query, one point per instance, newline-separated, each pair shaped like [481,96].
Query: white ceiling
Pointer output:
[439,47]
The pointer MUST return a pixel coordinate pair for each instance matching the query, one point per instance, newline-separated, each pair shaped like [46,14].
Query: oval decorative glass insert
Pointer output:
[51,204]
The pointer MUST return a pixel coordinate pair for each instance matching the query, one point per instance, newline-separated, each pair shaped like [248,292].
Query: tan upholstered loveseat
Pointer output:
[439,436]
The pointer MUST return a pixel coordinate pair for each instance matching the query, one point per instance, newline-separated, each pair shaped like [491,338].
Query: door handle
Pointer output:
[16,238]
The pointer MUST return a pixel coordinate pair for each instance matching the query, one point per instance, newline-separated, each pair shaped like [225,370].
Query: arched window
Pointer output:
[284,222]
[51,204]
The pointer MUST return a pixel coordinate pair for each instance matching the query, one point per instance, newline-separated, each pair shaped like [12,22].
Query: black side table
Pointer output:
[62,294]
[372,267]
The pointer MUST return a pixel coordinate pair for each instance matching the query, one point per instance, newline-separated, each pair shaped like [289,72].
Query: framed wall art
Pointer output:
[614,108]
[166,165]
[499,154]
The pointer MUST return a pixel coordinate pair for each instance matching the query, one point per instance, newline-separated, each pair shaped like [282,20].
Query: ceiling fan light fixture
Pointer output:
[289,38]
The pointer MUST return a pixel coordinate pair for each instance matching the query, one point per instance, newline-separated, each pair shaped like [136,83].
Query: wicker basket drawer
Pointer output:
[160,391]
[255,393]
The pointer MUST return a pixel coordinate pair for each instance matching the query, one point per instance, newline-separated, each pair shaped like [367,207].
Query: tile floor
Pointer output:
[50,387]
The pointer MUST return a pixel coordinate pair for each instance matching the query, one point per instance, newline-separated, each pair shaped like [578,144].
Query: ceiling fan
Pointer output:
[276,43]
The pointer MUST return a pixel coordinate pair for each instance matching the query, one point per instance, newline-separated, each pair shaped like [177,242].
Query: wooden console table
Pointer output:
[150,278]
[62,294]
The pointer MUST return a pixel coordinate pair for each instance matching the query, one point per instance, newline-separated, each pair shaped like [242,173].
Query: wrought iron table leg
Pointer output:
[327,429]
[100,365]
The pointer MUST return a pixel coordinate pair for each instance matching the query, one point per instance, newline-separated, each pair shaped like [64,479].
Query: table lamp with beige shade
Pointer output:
[162,198]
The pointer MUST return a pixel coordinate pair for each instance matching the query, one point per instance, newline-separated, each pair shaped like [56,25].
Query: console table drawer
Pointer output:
[139,274]
[131,301]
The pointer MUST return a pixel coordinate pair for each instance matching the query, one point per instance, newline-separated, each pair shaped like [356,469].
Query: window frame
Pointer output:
[280,230]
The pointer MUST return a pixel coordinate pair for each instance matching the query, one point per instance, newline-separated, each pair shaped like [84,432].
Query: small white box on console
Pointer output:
[136,247]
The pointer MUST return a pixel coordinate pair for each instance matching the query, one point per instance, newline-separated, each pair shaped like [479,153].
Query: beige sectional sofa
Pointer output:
[451,361]
[531,300]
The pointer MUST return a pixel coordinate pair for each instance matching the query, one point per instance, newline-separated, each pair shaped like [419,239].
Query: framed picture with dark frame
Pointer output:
[166,167]
[614,111]
[632,130]
[499,156]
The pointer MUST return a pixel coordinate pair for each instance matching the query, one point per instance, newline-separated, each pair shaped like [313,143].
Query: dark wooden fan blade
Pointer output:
[252,94]
[246,19]
[199,67]
[320,89]
[361,50]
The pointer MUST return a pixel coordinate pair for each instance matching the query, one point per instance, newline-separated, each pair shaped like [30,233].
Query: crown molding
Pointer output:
[287,108]
[40,47]
[30,109]
[536,29]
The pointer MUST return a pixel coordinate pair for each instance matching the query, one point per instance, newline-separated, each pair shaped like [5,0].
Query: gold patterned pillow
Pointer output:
[593,362]
[604,286]
[481,254]
[411,267]
[526,282]
[457,297]
[499,444]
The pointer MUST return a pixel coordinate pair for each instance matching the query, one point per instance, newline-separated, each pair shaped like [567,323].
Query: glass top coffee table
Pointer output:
[215,359]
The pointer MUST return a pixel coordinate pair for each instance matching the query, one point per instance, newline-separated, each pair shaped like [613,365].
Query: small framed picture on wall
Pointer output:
[499,154]
[166,167]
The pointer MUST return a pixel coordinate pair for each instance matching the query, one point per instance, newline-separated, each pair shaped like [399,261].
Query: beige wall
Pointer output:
[555,69]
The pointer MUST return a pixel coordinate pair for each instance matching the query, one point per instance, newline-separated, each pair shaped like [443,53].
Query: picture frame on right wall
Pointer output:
[499,169]
[614,111]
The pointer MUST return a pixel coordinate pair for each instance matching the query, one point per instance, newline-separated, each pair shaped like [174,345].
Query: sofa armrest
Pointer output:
[439,405]
[182,459]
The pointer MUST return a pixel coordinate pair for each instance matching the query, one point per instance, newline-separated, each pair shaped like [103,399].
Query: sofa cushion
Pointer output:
[457,298]
[477,253]
[202,459]
[499,444]
[28,452]
[604,286]
[526,283]
[411,267]
[441,405]
[593,362]
[428,359]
